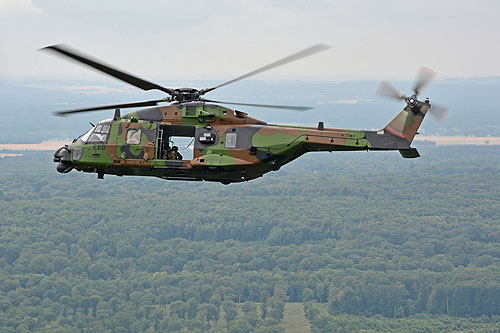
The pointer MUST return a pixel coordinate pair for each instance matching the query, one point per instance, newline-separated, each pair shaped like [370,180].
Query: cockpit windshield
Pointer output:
[98,134]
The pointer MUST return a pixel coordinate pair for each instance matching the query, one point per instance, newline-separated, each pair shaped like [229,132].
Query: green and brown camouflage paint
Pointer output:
[257,148]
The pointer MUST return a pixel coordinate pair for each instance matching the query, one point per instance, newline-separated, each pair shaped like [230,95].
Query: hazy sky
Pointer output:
[222,38]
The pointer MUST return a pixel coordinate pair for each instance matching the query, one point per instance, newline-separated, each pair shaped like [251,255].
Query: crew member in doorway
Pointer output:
[174,154]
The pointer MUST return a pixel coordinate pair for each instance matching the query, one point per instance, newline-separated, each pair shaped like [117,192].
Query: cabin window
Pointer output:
[133,137]
[230,140]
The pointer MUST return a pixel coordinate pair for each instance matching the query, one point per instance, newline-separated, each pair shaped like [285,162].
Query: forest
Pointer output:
[363,242]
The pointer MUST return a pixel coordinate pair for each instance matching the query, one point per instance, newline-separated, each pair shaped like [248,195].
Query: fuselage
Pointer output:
[228,145]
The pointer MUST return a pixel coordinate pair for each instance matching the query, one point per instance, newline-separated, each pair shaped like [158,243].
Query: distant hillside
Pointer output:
[28,104]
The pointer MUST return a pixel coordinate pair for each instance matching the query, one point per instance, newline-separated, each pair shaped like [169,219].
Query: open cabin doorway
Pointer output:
[175,142]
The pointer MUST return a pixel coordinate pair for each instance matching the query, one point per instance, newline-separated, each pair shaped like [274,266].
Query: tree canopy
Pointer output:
[370,239]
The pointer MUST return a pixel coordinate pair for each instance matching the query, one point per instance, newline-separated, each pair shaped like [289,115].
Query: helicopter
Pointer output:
[228,145]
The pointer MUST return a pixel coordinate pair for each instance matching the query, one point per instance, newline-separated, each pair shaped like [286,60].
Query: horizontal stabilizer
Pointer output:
[409,153]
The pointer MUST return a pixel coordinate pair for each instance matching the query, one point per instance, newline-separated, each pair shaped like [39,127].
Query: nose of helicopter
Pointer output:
[62,156]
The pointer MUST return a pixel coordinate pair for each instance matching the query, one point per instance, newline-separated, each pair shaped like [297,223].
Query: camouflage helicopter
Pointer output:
[228,145]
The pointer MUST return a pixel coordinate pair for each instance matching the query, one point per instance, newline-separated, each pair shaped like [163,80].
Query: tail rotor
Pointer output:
[424,76]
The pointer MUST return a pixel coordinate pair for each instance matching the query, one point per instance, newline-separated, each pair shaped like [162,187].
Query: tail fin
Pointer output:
[405,125]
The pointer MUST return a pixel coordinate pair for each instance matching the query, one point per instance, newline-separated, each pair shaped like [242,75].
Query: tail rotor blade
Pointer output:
[424,76]
[388,90]
[438,112]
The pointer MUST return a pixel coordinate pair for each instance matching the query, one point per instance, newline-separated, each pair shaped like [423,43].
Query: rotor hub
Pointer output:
[183,95]
[412,101]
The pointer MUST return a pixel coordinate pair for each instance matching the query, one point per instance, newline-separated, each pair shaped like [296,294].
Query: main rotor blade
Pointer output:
[107,69]
[388,90]
[439,112]
[286,107]
[113,106]
[296,56]
[425,75]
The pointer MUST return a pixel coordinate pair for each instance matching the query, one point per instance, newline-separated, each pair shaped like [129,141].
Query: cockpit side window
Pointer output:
[105,128]
[99,134]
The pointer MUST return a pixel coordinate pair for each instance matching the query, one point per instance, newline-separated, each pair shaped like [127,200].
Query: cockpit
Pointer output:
[98,134]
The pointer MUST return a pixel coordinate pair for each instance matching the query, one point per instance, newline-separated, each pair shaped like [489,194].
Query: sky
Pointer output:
[383,39]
